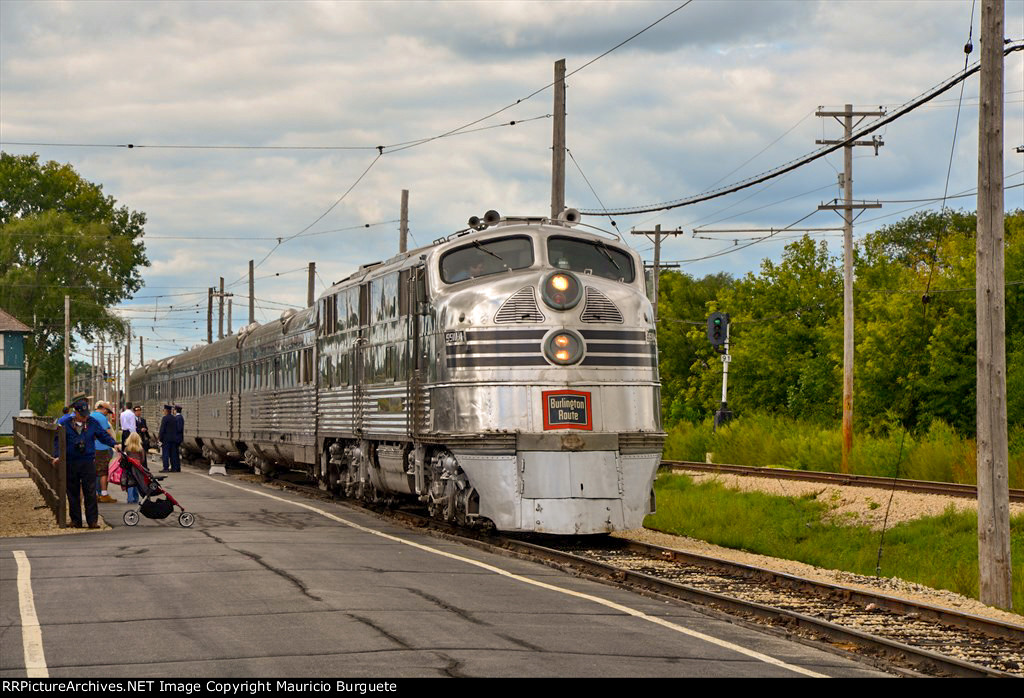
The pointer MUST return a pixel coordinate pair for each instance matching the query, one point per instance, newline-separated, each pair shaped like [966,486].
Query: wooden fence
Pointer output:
[33,444]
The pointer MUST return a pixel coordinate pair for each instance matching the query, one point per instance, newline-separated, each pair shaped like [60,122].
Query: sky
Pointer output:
[261,122]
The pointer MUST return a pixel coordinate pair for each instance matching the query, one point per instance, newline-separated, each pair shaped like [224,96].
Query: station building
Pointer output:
[12,370]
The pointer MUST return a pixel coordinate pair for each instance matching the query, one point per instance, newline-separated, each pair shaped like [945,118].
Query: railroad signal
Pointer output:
[718,329]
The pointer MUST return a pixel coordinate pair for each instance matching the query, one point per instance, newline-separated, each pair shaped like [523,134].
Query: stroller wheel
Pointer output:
[131,517]
[186,519]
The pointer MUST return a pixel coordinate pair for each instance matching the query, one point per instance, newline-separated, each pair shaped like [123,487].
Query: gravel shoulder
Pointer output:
[23,511]
[850,506]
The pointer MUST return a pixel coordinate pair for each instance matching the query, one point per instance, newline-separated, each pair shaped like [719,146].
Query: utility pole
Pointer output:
[657,233]
[846,180]
[93,362]
[229,317]
[221,295]
[220,310]
[403,228]
[995,581]
[142,361]
[310,287]
[558,143]
[252,299]
[127,360]
[67,350]
[101,385]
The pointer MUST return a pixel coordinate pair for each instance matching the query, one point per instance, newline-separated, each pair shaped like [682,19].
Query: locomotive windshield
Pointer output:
[590,257]
[484,257]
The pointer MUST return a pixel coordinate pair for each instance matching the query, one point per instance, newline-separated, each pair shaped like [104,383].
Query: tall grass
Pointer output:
[938,454]
[940,552]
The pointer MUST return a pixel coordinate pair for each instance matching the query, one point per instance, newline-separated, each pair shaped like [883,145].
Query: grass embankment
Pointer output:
[940,552]
[6,441]
[939,454]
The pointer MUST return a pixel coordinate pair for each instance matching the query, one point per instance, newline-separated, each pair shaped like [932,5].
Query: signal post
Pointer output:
[718,335]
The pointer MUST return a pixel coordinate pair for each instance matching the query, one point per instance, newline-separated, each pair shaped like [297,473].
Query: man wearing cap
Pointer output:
[102,415]
[169,441]
[81,432]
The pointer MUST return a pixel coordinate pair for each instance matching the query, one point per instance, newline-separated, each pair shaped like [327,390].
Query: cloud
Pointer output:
[690,104]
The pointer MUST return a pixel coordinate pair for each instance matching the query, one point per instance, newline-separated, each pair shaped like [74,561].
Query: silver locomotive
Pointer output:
[506,373]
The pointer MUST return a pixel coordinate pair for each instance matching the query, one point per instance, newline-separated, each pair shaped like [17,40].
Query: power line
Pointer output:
[811,157]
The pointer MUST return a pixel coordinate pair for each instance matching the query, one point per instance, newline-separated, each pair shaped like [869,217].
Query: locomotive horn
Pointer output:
[474,221]
[570,216]
[492,217]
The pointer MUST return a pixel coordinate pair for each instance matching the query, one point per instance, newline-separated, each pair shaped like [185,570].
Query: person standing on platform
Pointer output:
[127,422]
[81,432]
[102,415]
[143,430]
[169,441]
[181,425]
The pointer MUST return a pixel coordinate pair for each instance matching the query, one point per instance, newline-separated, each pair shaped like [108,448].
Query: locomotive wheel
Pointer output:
[186,519]
[333,478]
[131,517]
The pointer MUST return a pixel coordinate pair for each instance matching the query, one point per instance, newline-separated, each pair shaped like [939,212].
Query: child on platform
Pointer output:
[133,449]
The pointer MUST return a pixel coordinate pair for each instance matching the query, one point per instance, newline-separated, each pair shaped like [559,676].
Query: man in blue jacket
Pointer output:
[81,432]
[170,440]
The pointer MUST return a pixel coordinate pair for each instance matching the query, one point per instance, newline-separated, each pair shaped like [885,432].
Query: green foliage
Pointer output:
[59,235]
[939,453]
[915,362]
[800,528]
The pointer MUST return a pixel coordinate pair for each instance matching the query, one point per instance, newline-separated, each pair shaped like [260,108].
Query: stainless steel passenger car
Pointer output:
[506,373]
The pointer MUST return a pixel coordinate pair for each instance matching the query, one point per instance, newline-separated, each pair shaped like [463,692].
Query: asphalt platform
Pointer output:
[273,584]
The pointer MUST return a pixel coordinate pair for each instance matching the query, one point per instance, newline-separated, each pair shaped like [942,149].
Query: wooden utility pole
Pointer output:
[142,361]
[101,385]
[67,350]
[310,285]
[558,143]
[209,315]
[995,582]
[403,228]
[657,259]
[252,298]
[127,360]
[846,180]
[229,317]
[220,310]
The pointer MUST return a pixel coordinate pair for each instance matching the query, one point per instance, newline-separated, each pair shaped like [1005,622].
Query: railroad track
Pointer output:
[893,633]
[922,486]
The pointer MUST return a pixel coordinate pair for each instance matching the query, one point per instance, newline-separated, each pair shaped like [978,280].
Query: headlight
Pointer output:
[561,290]
[564,347]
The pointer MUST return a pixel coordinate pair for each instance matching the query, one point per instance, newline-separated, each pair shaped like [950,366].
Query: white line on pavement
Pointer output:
[526,580]
[31,634]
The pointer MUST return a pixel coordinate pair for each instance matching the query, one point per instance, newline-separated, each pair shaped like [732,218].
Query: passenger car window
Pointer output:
[595,258]
[484,257]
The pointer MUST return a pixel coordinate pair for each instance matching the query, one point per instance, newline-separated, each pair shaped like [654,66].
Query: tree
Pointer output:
[785,338]
[60,235]
[683,300]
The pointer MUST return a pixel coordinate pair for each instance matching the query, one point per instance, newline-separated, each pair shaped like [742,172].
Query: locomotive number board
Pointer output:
[567,409]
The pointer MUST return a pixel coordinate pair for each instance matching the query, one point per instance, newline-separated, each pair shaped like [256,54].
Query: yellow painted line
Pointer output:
[543,585]
[31,634]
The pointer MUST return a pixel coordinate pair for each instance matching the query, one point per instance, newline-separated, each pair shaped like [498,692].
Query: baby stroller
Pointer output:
[135,474]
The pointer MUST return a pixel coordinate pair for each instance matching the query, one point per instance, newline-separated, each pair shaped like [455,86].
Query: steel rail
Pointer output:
[919,658]
[949,489]
[895,653]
